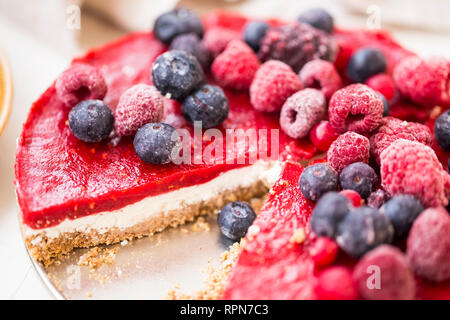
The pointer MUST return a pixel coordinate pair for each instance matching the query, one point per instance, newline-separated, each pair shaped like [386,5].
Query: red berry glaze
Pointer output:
[353,196]
[409,167]
[274,82]
[301,112]
[80,82]
[348,148]
[323,135]
[384,84]
[324,252]
[384,274]
[322,75]
[335,283]
[428,246]
[216,39]
[236,66]
[355,108]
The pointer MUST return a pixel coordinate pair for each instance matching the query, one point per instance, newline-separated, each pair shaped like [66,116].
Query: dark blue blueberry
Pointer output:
[318,18]
[402,210]
[359,177]
[365,63]
[235,218]
[362,230]
[208,105]
[156,143]
[176,74]
[331,208]
[192,44]
[175,22]
[317,180]
[442,130]
[91,121]
[253,33]
[385,104]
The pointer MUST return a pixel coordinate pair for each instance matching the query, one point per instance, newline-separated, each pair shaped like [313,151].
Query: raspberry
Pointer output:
[384,274]
[217,38]
[384,84]
[295,44]
[274,82]
[301,112]
[428,246]
[137,106]
[377,199]
[323,135]
[236,66]
[322,75]
[353,196]
[324,252]
[348,148]
[424,81]
[355,108]
[80,82]
[393,129]
[336,283]
[409,167]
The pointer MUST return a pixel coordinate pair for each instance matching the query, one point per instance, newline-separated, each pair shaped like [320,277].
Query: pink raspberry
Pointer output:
[137,106]
[348,148]
[301,112]
[322,75]
[274,82]
[410,167]
[424,81]
[217,38]
[236,66]
[395,279]
[355,108]
[384,84]
[428,246]
[80,82]
[393,129]
[336,283]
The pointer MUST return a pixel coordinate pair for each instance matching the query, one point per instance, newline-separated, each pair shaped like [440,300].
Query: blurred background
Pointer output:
[40,37]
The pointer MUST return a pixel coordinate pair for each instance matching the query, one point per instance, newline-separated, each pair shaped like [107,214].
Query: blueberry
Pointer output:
[91,121]
[365,63]
[359,177]
[318,179]
[328,213]
[176,74]
[235,218]
[192,44]
[253,33]
[362,230]
[318,18]
[442,130]
[155,143]
[208,105]
[385,104]
[175,22]
[402,210]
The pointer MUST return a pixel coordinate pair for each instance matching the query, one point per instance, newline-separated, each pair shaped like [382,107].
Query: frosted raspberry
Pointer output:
[384,84]
[348,148]
[217,38]
[336,283]
[324,252]
[428,246]
[393,129]
[137,106]
[410,167]
[355,108]
[236,66]
[80,82]
[301,112]
[424,81]
[295,44]
[321,74]
[274,82]
[395,279]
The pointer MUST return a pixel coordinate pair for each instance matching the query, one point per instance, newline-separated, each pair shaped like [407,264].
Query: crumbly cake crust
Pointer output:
[47,250]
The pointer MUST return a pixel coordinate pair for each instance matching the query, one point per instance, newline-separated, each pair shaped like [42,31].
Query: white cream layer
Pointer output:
[142,210]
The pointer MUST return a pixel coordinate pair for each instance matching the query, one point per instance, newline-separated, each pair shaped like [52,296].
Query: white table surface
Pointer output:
[34,67]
